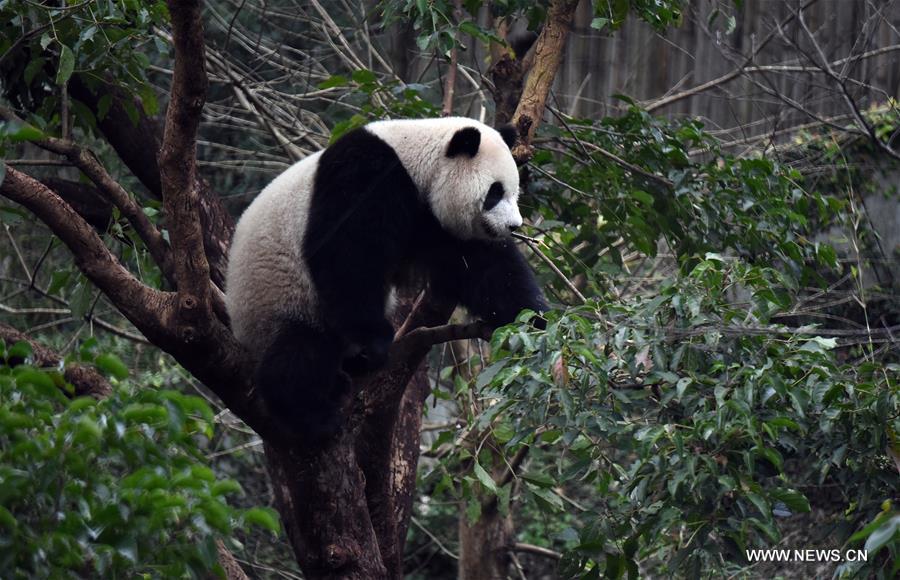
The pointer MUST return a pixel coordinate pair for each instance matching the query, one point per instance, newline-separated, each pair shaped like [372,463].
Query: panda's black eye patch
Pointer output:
[495,194]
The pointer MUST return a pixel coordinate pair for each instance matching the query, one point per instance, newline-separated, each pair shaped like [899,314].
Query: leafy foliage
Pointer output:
[635,172]
[678,423]
[688,434]
[658,14]
[373,98]
[439,27]
[43,46]
[112,488]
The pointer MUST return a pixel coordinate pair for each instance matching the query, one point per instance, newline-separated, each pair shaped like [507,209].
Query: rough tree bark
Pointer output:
[548,52]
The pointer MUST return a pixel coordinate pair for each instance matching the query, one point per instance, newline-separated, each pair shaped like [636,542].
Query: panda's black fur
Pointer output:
[368,225]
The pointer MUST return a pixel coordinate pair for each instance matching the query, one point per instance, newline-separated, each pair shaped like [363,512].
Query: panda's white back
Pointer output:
[267,277]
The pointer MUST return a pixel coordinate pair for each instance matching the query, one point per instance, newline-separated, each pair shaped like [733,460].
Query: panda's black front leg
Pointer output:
[367,346]
[354,309]
[353,295]
[490,278]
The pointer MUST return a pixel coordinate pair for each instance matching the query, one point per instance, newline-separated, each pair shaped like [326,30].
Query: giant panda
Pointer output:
[316,256]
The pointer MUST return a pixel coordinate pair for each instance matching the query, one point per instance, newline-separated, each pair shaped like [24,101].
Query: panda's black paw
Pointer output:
[367,348]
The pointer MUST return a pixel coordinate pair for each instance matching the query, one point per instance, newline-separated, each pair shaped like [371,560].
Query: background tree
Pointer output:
[714,371]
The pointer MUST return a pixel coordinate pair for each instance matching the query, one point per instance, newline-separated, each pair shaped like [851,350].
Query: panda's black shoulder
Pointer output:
[360,187]
[357,151]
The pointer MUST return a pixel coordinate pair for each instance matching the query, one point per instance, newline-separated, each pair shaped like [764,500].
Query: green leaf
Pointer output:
[20,350]
[103,106]
[363,76]
[33,68]
[485,478]
[760,503]
[642,196]
[59,279]
[148,100]
[145,413]
[539,479]
[334,81]
[883,535]
[10,215]
[82,298]
[87,431]
[503,431]
[7,520]
[28,375]
[112,365]
[546,498]
[66,65]
[473,510]
[264,517]
[795,500]
[19,132]
[224,487]
[203,473]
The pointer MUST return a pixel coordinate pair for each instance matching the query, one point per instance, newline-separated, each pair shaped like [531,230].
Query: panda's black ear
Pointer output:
[509,134]
[464,142]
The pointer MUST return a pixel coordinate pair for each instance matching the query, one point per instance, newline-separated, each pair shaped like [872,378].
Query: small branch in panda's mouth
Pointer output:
[525,238]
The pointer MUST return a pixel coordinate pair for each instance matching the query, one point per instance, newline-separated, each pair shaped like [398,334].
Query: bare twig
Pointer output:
[537,550]
[552,266]
[741,69]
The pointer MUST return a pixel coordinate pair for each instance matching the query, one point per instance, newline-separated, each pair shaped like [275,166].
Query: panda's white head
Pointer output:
[465,171]
[477,185]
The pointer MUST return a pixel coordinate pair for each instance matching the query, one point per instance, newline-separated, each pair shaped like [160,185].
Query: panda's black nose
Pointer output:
[513,228]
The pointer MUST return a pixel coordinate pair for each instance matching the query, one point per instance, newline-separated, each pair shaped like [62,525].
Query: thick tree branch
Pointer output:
[233,570]
[507,72]
[425,337]
[389,415]
[87,162]
[138,154]
[548,53]
[85,380]
[177,166]
[146,308]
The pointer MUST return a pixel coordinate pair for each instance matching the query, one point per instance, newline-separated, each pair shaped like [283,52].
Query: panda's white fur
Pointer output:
[300,324]
[267,280]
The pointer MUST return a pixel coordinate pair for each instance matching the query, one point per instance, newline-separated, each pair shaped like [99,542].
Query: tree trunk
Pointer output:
[484,546]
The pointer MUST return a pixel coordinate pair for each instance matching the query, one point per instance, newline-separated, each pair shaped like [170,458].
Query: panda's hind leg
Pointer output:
[301,381]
